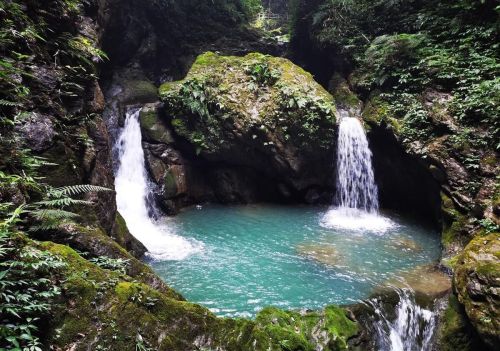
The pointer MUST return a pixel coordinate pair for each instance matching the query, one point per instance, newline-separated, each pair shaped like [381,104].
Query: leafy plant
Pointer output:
[50,212]
[26,288]
[262,74]
[114,264]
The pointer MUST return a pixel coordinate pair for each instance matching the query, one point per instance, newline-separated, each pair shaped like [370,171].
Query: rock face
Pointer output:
[37,131]
[477,284]
[254,122]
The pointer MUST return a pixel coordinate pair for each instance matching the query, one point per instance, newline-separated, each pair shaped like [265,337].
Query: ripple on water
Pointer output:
[256,256]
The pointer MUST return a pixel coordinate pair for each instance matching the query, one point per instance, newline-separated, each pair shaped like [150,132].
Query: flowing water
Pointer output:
[356,199]
[132,188]
[356,186]
[256,256]
[412,328]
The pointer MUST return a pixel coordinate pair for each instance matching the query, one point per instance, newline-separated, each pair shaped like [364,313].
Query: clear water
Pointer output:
[255,256]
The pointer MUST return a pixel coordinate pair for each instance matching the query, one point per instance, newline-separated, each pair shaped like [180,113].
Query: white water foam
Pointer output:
[357,194]
[131,186]
[412,329]
[356,220]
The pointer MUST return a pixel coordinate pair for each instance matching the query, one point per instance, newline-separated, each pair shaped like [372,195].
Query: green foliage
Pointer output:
[252,7]
[114,264]
[312,114]
[489,225]
[26,288]
[262,74]
[50,213]
[447,45]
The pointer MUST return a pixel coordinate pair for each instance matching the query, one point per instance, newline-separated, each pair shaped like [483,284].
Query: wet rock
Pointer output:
[38,131]
[454,331]
[477,284]
[122,236]
[97,102]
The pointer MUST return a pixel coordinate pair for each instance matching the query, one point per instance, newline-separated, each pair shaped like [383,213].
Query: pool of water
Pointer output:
[255,256]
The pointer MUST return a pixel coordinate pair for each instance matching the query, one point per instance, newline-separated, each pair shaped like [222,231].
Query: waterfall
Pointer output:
[356,186]
[131,184]
[356,198]
[411,330]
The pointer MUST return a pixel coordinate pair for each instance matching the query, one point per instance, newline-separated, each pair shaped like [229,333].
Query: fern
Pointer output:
[49,214]
[63,202]
[76,189]
[9,103]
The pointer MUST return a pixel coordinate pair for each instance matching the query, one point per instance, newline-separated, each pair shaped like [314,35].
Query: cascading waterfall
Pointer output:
[411,330]
[356,199]
[356,188]
[131,184]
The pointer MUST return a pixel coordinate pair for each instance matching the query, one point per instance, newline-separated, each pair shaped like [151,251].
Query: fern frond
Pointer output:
[9,103]
[52,214]
[61,202]
[76,189]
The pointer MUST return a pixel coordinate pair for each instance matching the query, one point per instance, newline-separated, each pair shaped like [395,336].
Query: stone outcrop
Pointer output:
[249,123]
[477,284]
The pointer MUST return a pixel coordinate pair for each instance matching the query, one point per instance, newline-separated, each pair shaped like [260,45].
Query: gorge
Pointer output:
[249,175]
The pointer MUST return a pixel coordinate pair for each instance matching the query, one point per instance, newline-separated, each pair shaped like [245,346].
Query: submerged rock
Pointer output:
[322,253]
[425,280]
[406,244]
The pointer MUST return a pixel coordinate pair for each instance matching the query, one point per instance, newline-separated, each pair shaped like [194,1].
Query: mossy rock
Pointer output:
[454,331]
[342,93]
[477,283]
[454,235]
[124,238]
[257,98]
[138,92]
[377,112]
[95,243]
[153,129]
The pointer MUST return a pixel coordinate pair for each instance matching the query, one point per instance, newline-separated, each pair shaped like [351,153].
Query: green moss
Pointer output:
[170,184]
[139,91]
[453,223]
[152,127]
[249,96]
[476,278]
[454,332]
[342,94]
[294,331]
[121,231]
[377,112]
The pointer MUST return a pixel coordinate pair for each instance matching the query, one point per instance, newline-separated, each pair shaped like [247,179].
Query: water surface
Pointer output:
[255,256]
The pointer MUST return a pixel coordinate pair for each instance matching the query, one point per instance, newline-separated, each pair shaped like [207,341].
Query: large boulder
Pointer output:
[259,113]
[477,284]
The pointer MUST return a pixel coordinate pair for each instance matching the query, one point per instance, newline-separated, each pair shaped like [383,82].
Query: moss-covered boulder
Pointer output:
[224,98]
[477,284]
[255,111]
